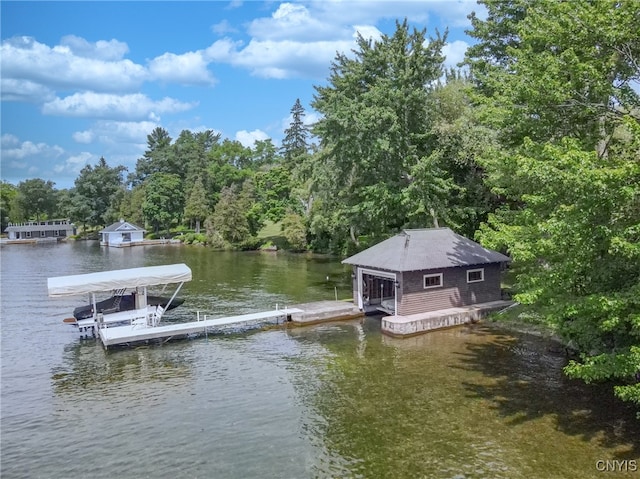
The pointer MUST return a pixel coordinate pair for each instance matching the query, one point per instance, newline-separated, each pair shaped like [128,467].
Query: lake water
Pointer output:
[332,400]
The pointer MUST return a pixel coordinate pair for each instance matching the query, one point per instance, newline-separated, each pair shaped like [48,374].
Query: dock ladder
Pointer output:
[118,298]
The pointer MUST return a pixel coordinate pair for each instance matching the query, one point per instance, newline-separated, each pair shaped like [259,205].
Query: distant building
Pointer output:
[49,230]
[121,234]
[423,270]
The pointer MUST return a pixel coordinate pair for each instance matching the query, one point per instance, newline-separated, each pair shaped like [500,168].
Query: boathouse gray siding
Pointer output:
[455,292]
[402,261]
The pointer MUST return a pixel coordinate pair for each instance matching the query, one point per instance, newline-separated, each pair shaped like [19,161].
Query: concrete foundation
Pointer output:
[323,311]
[404,326]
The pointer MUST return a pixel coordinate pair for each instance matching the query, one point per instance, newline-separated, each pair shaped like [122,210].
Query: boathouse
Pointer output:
[50,230]
[424,270]
[121,233]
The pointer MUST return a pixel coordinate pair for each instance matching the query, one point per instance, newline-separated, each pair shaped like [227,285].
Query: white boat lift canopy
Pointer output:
[118,279]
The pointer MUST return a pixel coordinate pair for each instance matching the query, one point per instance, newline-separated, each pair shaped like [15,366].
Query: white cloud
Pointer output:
[282,59]
[293,22]
[348,12]
[73,164]
[310,117]
[455,14]
[454,51]
[106,106]
[121,132]
[8,140]
[112,50]
[121,142]
[13,149]
[223,50]
[20,159]
[301,40]
[248,138]
[25,59]
[367,32]
[83,136]
[24,90]
[223,27]
[188,68]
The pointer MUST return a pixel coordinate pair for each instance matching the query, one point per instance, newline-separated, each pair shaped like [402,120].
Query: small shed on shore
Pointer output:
[121,233]
[421,270]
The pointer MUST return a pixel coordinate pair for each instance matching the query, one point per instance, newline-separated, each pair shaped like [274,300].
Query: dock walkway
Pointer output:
[133,333]
[300,314]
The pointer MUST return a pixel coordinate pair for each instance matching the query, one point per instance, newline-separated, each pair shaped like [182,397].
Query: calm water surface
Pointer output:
[333,400]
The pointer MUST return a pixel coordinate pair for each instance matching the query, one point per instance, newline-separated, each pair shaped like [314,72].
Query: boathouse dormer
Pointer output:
[121,233]
[424,270]
[48,230]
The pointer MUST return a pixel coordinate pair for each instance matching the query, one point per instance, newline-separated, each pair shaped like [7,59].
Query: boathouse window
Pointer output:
[56,233]
[27,234]
[43,234]
[432,280]
[475,275]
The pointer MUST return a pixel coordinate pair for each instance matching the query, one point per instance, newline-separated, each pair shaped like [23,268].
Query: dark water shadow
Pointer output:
[522,379]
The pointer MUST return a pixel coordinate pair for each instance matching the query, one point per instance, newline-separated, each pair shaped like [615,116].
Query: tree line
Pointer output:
[533,148]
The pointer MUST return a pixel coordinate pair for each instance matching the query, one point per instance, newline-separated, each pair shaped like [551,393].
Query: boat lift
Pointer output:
[143,322]
[142,315]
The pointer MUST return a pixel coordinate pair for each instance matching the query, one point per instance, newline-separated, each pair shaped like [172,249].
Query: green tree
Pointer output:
[130,207]
[95,194]
[229,163]
[232,153]
[191,150]
[196,207]
[264,153]
[160,157]
[449,182]
[295,231]
[295,138]
[229,220]
[164,200]
[375,128]
[8,193]
[554,80]
[576,245]
[35,198]
[497,38]
[558,69]
[273,189]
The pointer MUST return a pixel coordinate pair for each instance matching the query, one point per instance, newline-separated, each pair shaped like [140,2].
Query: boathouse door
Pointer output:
[377,291]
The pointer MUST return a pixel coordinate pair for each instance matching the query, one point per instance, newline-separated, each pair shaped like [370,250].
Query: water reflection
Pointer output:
[466,402]
[523,383]
[88,368]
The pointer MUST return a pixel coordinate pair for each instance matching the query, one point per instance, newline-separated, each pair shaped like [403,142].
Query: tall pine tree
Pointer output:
[294,143]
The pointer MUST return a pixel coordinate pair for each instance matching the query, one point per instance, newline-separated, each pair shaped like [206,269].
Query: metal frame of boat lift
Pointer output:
[143,323]
[143,315]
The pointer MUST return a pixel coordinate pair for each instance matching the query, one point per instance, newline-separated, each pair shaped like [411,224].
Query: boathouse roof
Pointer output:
[123,226]
[424,249]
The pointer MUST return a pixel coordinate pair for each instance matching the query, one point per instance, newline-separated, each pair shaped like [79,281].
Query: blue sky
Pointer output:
[81,80]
